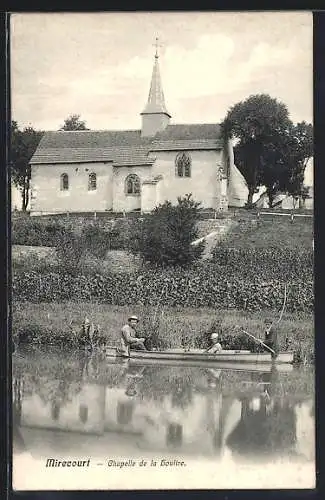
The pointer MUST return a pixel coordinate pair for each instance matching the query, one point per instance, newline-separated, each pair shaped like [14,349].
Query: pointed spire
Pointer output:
[156,99]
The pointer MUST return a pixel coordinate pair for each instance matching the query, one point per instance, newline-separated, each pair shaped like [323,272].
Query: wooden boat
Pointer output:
[222,365]
[199,355]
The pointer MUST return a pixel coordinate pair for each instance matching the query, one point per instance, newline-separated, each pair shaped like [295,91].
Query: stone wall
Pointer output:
[46,195]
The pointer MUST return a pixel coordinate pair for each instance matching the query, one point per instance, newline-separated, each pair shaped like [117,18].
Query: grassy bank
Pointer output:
[271,231]
[50,323]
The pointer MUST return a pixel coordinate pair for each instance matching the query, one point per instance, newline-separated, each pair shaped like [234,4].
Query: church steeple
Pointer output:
[155,116]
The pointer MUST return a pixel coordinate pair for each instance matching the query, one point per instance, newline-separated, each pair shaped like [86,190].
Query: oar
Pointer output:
[258,340]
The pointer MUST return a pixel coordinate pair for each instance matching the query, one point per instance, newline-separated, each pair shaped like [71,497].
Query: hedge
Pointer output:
[206,286]
[33,232]
[269,263]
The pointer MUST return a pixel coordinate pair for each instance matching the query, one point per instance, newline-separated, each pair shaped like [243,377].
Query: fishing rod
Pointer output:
[258,340]
[277,322]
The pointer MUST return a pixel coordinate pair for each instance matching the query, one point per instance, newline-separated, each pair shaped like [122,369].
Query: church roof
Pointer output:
[123,147]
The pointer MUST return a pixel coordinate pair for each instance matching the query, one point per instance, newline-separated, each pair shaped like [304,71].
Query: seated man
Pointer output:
[128,338]
[215,344]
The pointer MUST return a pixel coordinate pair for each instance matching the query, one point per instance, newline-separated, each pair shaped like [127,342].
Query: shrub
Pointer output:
[69,251]
[32,232]
[164,237]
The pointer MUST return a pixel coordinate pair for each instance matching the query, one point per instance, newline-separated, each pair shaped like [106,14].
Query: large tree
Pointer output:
[256,123]
[298,154]
[165,236]
[284,160]
[23,145]
[73,122]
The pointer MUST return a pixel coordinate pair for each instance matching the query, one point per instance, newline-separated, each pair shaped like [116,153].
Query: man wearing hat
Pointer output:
[215,344]
[128,338]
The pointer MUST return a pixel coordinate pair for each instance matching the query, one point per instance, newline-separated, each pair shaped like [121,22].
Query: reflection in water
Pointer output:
[177,409]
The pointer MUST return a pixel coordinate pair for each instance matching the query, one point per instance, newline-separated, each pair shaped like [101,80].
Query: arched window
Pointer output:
[132,184]
[92,182]
[183,164]
[64,182]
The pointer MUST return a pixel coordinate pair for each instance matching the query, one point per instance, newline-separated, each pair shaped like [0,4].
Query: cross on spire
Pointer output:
[156,44]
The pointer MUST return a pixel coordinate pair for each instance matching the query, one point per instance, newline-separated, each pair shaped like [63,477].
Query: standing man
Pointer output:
[128,338]
[271,338]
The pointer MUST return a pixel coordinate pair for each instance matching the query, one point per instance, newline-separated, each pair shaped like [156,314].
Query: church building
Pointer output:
[135,170]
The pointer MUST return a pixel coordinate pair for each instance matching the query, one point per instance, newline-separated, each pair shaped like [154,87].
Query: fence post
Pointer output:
[95,215]
[291,217]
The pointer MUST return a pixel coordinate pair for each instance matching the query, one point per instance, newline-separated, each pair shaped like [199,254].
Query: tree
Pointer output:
[165,236]
[73,122]
[23,146]
[255,122]
[284,160]
[298,154]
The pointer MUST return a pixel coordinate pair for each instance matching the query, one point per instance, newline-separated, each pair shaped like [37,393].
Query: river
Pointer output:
[70,407]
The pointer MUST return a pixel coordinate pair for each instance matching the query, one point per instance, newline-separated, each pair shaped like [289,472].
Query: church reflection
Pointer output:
[171,414]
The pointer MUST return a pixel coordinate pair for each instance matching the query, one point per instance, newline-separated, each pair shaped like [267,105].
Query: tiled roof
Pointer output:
[184,145]
[76,155]
[190,131]
[135,155]
[123,147]
[92,139]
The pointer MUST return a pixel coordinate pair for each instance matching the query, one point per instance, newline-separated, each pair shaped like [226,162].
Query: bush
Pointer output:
[164,237]
[32,232]
[98,241]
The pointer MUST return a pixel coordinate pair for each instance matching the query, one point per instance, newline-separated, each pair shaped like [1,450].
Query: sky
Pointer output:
[99,65]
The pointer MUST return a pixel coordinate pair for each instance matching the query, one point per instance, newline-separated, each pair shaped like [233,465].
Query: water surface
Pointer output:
[77,405]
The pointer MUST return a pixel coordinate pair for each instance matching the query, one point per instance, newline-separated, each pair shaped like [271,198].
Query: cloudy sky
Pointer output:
[100,65]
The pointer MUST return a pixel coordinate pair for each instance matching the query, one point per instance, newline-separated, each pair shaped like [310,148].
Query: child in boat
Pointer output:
[215,344]
[128,338]
[271,337]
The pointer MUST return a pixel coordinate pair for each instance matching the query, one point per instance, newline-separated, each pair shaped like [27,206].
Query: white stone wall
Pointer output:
[148,196]
[122,200]
[46,196]
[203,183]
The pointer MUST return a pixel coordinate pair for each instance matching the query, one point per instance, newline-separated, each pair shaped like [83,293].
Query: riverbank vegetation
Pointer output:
[59,323]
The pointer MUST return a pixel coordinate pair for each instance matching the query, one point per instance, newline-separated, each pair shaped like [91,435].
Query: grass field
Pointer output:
[271,231]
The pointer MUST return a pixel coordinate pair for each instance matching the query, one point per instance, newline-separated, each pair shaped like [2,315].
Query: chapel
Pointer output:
[135,170]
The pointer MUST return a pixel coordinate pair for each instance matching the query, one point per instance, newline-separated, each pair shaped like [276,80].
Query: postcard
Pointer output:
[162,250]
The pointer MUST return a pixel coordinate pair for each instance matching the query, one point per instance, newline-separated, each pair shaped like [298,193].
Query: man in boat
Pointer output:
[271,338]
[215,344]
[128,339]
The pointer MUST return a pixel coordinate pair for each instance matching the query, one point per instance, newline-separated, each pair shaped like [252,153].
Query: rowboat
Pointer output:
[199,355]
[222,365]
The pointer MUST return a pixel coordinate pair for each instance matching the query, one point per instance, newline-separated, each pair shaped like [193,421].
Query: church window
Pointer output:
[92,182]
[64,182]
[183,164]
[132,184]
